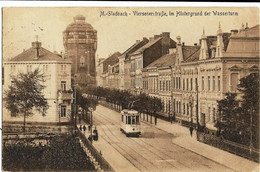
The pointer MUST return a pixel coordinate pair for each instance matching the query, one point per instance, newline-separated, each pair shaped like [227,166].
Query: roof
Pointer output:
[248,32]
[164,61]
[191,53]
[111,60]
[134,47]
[149,44]
[44,55]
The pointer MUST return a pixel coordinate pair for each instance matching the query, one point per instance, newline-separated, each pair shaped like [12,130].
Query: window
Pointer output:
[187,84]
[12,68]
[209,114]
[179,82]
[209,83]
[137,119]
[196,84]
[191,84]
[218,83]
[183,108]
[183,84]
[169,85]
[133,120]
[214,114]
[82,61]
[173,82]
[128,119]
[234,81]
[163,85]
[202,82]
[160,85]
[213,83]
[44,68]
[63,85]
[29,68]
[63,111]
[188,109]
[166,85]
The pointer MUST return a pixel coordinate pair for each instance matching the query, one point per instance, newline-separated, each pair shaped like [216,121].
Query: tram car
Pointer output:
[130,122]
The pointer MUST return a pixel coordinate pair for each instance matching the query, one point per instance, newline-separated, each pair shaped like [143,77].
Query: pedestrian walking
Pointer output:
[80,128]
[84,128]
[191,130]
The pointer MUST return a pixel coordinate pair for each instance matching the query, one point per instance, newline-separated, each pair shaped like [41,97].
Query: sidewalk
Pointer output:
[183,139]
[119,163]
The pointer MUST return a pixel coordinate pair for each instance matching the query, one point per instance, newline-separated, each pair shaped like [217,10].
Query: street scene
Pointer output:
[130,89]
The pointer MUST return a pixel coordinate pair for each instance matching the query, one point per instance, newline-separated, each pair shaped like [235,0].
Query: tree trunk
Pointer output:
[147,117]
[151,118]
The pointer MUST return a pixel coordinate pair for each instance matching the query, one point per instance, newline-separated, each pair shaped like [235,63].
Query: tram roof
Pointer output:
[130,111]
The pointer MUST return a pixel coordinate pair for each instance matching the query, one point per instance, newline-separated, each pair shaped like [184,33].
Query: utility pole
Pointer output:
[197,105]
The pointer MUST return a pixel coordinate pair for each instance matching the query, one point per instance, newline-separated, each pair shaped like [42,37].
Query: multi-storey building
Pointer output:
[157,79]
[80,42]
[157,46]
[57,91]
[205,73]
[110,71]
[124,81]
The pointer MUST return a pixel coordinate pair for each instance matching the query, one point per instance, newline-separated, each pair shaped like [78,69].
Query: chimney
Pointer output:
[156,36]
[179,40]
[151,38]
[183,43]
[166,42]
[37,45]
[233,32]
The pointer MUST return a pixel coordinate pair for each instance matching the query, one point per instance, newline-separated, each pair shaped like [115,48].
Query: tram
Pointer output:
[130,122]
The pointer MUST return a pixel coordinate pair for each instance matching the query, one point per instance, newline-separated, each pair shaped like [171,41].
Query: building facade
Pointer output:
[157,46]
[57,91]
[80,43]
[204,74]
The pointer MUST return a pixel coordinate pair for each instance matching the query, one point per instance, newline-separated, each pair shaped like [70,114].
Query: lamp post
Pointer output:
[91,123]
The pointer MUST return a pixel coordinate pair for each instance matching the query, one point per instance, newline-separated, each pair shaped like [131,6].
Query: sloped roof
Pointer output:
[134,47]
[191,53]
[44,55]
[149,44]
[111,60]
[249,32]
[164,61]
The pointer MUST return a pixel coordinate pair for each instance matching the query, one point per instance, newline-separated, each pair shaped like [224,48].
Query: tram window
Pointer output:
[133,119]
[137,119]
[126,119]
[129,120]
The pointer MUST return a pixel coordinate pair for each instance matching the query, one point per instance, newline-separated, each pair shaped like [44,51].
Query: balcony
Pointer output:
[64,95]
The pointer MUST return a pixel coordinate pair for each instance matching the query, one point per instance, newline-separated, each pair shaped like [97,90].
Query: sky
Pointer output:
[20,25]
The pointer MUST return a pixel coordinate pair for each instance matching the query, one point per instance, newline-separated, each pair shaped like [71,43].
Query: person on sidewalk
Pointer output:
[191,130]
[84,128]
[80,128]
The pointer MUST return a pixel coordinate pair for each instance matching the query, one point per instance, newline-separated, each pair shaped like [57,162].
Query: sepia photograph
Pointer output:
[130,88]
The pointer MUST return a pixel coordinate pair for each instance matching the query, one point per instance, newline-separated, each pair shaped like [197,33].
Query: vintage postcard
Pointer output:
[130,89]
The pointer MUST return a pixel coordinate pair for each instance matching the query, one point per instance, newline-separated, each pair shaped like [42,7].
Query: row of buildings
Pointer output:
[189,79]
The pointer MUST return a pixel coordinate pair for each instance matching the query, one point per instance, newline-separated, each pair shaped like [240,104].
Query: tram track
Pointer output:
[163,156]
[129,156]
